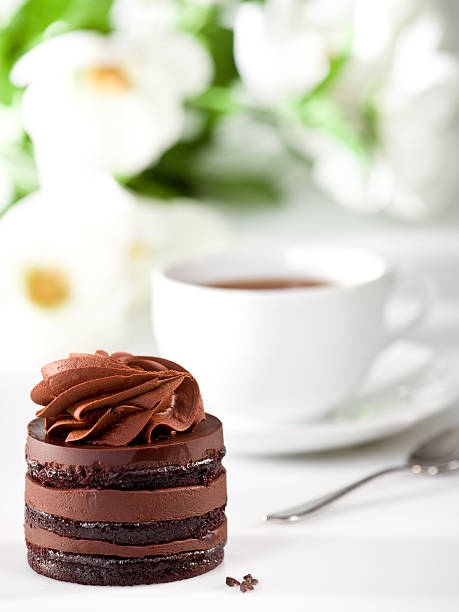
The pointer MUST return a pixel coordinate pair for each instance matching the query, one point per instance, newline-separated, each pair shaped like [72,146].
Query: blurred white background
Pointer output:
[133,132]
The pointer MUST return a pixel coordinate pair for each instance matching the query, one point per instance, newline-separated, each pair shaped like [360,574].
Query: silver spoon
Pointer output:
[437,455]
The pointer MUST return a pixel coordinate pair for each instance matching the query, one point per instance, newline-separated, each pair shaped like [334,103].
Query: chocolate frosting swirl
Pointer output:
[117,399]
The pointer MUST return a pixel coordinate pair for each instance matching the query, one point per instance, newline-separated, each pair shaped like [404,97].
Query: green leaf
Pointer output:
[177,175]
[319,110]
[244,191]
[36,20]
[218,100]
[337,65]
[193,17]
[220,44]
[20,162]
[205,22]
[147,184]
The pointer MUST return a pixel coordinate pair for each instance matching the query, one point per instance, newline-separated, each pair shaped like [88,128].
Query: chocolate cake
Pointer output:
[125,483]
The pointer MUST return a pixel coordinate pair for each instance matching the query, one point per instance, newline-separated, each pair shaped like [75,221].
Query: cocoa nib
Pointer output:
[250,579]
[248,583]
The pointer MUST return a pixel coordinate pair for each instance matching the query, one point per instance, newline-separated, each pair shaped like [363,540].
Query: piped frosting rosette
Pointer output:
[118,399]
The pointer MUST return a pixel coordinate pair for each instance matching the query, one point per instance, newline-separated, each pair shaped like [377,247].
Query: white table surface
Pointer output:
[392,545]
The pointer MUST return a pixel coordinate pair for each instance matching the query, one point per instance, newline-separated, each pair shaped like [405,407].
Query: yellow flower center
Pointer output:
[107,79]
[47,287]
[138,250]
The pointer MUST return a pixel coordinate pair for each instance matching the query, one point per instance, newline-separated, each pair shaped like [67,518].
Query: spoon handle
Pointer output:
[298,512]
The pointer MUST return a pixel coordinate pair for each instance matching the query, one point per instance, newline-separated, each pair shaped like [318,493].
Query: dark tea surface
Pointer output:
[270,283]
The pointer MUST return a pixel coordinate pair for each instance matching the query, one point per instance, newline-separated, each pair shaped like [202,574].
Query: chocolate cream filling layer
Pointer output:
[46,539]
[180,449]
[127,506]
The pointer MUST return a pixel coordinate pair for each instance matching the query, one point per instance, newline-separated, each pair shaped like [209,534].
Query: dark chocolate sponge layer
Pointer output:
[113,571]
[200,472]
[135,534]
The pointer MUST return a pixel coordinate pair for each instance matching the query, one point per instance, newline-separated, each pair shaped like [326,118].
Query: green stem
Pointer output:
[6,208]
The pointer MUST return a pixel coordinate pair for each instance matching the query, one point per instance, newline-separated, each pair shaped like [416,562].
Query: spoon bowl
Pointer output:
[438,454]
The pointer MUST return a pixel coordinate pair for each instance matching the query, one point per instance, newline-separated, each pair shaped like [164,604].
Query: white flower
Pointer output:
[75,262]
[411,171]
[152,27]
[361,184]
[107,101]
[140,18]
[376,26]
[278,52]
[419,122]
[7,10]
[62,274]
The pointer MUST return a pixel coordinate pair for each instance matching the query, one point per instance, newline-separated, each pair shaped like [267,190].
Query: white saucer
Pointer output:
[408,383]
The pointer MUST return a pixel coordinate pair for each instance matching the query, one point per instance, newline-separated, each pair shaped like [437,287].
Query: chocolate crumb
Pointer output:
[250,579]
[245,586]
[248,583]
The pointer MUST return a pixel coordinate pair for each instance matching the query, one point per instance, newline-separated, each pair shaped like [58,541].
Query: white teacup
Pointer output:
[279,355]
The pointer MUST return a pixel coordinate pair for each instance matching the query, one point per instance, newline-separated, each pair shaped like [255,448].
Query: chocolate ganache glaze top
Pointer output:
[117,399]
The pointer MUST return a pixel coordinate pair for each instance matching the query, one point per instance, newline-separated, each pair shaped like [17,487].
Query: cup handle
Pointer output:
[425,295]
